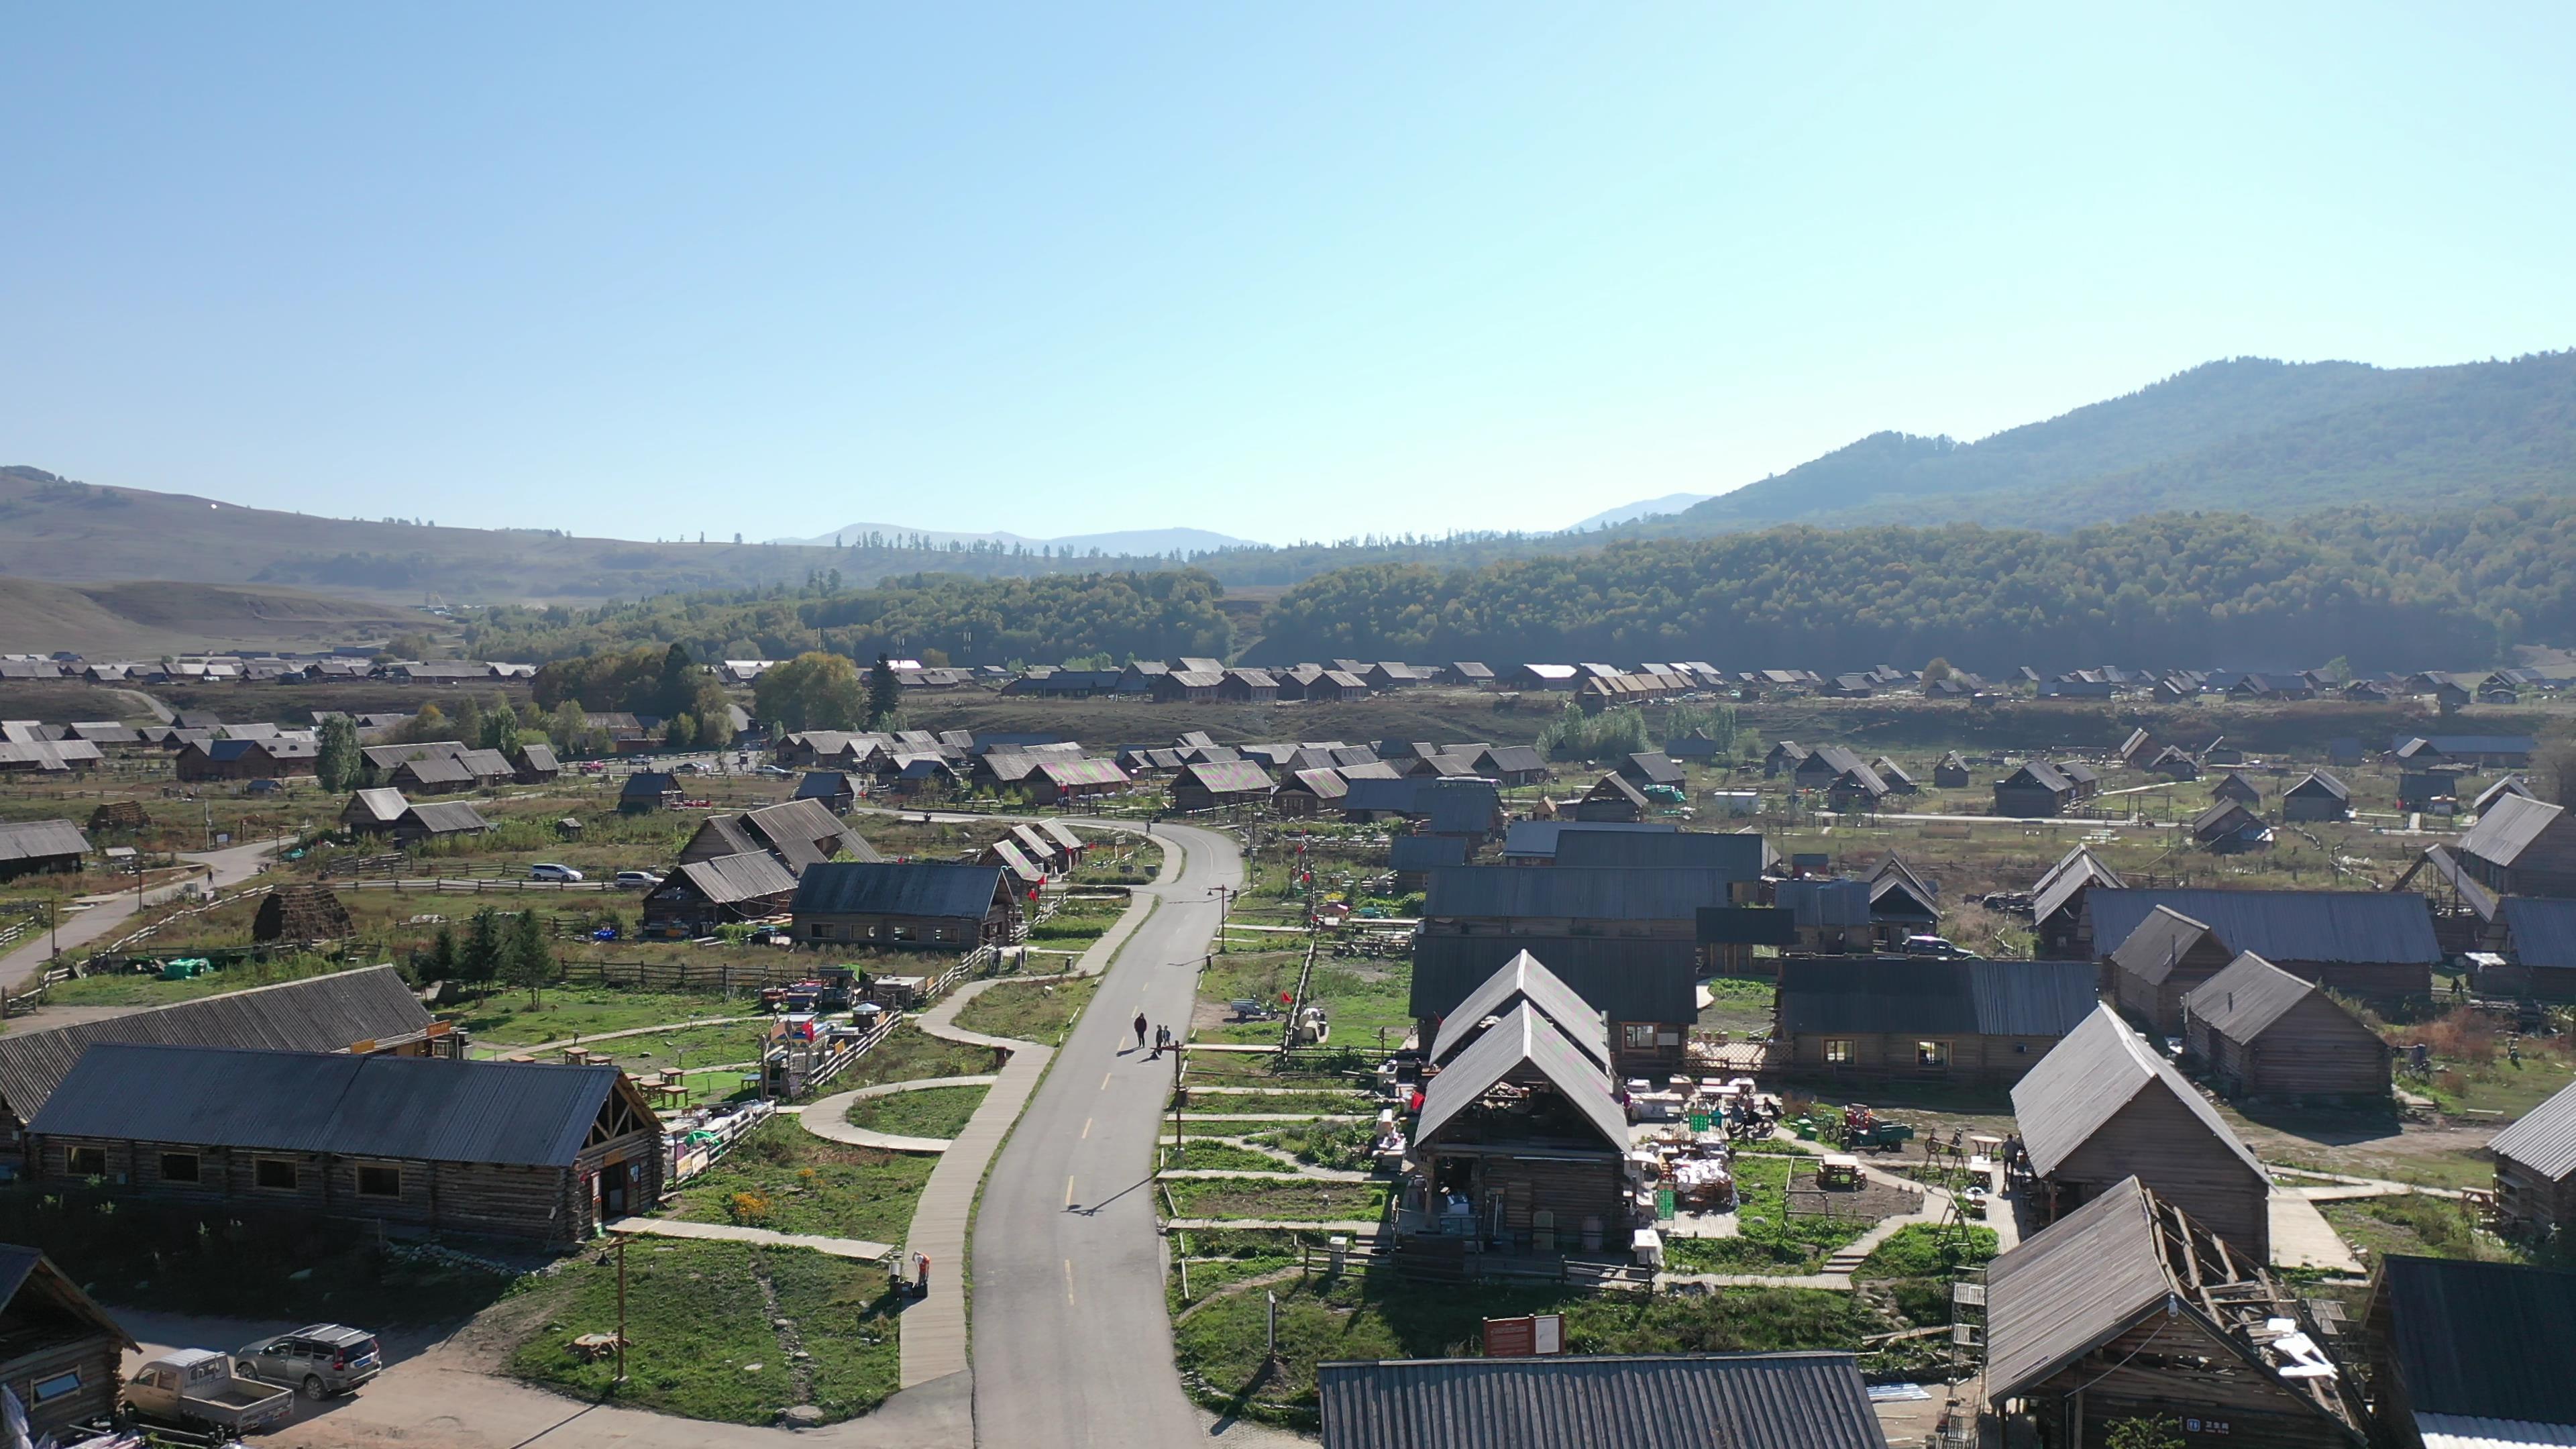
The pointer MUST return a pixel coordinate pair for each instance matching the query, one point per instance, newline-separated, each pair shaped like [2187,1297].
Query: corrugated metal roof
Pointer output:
[1037,844]
[449,818]
[1512,759]
[2094,1071]
[887,888]
[2472,1338]
[1007,853]
[2072,1288]
[2470,1431]
[1082,772]
[1612,787]
[1411,853]
[2158,944]
[2508,828]
[1654,767]
[1581,894]
[1628,980]
[430,1109]
[384,804]
[1062,834]
[1524,1038]
[1542,839]
[1227,777]
[802,833]
[1525,978]
[41,839]
[2324,926]
[2541,932]
[823,785]
[2248,996]
[1692,1401]
[320,1013]
[2074,871]
[1737,857]
[2320,782]
[1943,998]
[2545,1139]
[1458,806]
[728,879]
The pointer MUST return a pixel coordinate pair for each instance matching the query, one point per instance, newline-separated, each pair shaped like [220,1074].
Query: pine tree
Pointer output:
[339,763]
[480,959]
[527,960]
[885,695]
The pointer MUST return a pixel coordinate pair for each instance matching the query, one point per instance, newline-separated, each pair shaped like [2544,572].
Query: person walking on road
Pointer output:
[1140,1031]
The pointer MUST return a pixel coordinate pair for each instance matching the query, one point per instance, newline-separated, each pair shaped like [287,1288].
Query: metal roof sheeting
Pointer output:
[2097,1069]
[2508,828]
[1684,1401]
[41,840]
[320,1013]
[1525,978]
[2545,1139]
[1542,839]
[2473,1338]
[2075,871]
[2250,995]
[423,1109]
[2541,932]
[451,818]
[2323,926]
[1737,857]
[1524,1038]
[1229,777]
[1410,853]
[886,888]
[1628,980]
[2158,944]
[1935,997]
[728,879]
[1579,894]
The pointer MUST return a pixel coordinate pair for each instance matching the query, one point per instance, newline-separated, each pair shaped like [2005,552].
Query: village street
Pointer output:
[229,867]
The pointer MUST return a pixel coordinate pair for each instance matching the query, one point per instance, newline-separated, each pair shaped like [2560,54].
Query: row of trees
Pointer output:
[504,947]
[818,691]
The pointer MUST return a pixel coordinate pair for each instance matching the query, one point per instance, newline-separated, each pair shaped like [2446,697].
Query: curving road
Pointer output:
[1072,1341]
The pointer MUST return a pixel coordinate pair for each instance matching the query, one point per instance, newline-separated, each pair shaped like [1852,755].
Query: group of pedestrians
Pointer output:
[1163,1039]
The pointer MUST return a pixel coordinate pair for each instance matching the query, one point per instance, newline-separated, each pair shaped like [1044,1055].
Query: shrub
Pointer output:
[749,1209]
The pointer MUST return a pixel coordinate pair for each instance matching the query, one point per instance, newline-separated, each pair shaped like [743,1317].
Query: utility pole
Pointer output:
[621,1309]
[1180,1094]
[1224,898]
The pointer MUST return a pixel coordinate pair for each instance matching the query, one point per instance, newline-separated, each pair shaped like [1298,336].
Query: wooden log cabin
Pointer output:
[1909,1019]
[502,1149]
[1643,990]
[2458,1349]
[368,1010]
[2130,1308]
[2536,1169]
[2262,1032]
[2103,1106]
[2376,945]
[2064,931]
[906,905]
[2521,847]
[1217,784]
[60,1353]
[1522,1142]
[2161,961]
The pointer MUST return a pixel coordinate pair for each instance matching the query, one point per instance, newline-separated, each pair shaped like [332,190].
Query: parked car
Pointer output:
[1934,946]
[550,871]
[197,1386]
[638,878]
[774,770]
[322,1359]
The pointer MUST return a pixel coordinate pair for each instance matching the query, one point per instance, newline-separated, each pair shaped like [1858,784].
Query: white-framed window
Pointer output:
[1838,1051]
[48,1390]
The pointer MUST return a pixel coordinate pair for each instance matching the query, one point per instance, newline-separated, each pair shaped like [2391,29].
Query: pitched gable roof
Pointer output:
[910,888]
[1525,1038]
[1524,978]
[2087,1078]
[2508,828]
[2248,996]
[2545,1139]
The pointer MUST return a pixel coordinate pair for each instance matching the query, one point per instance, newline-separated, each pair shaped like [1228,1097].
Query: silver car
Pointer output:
[322,1359]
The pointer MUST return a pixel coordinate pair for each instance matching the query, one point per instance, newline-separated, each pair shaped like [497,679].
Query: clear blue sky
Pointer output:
[1266,269]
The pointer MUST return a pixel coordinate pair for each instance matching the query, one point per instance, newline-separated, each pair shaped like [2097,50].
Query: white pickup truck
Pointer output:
[198,1386]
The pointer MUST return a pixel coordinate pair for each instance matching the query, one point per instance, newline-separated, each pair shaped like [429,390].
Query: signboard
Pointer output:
[1968,1295]
[1525,1337]
[1964,1334]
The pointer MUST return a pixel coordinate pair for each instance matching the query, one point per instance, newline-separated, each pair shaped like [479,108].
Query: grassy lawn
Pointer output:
[1222,1126]
[909,1054]
[1280,1201]
[1924,1251]
[139,989]
[701,1339]
[2429,1227]
[1220,1346]
[785,1178]
[1076,925]
[930,1112]
[1252,1069]
[1343,1146]
[1038,1011]
[1771,1241]
[1197,1154]
[1304,1103]
[505,1017]
[1741,1008]
[1217,1259]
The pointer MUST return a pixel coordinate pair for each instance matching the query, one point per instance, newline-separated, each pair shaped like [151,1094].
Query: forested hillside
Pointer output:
[2382,590]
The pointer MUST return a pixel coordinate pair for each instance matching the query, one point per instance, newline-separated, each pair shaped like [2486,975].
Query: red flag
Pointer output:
[1285,998]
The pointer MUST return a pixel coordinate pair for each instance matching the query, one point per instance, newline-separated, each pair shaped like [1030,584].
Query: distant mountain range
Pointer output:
[1644,508]
[1131,542]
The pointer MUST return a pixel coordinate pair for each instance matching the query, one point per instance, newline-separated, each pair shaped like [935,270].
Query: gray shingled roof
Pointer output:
[1936,997]
[2250,995]
[727,879]
[522,1114]
[2325,926]
[2072,1288]
[319,1013]
[2157,944]
[1525,1038]
[2097,1069]
[1685,1401]
[1525,978]
[2508,828]
[2545,1139]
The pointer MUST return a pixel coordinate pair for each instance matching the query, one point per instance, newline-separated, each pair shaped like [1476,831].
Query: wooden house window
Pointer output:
[274,1172]
[48,1390]
[379,1181]
[85,1161]
[179,1167]
[1838,1051]
[1932,1054]
[1639,1035]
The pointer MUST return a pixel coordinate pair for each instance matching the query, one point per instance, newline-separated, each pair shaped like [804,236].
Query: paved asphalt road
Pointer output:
[1073,1344]
[231,867]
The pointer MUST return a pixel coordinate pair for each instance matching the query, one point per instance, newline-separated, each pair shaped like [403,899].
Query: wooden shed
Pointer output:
[2131,1308]
[2036,790]
[2318,796]
[1611,799]
[60,1353]
[2378,945]
[2536,1168]
[2234,786]
[2522,847]
[506,1149]
[2160,962]
[31,846]
[1951,773]
[1213,786]
[906,904]
[2262,1032]
[2103,1106]
[2058,917]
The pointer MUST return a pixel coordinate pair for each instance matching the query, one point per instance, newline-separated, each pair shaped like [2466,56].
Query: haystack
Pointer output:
[119,815]
[301,914]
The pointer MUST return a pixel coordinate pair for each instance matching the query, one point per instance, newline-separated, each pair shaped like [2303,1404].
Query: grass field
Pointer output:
[2429,1227]
[703,1341]
[1770,1241]
[505,1017]
[930,1112]
[1282,1201]
[909,1054]
[785,1178]
[1039,1011]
